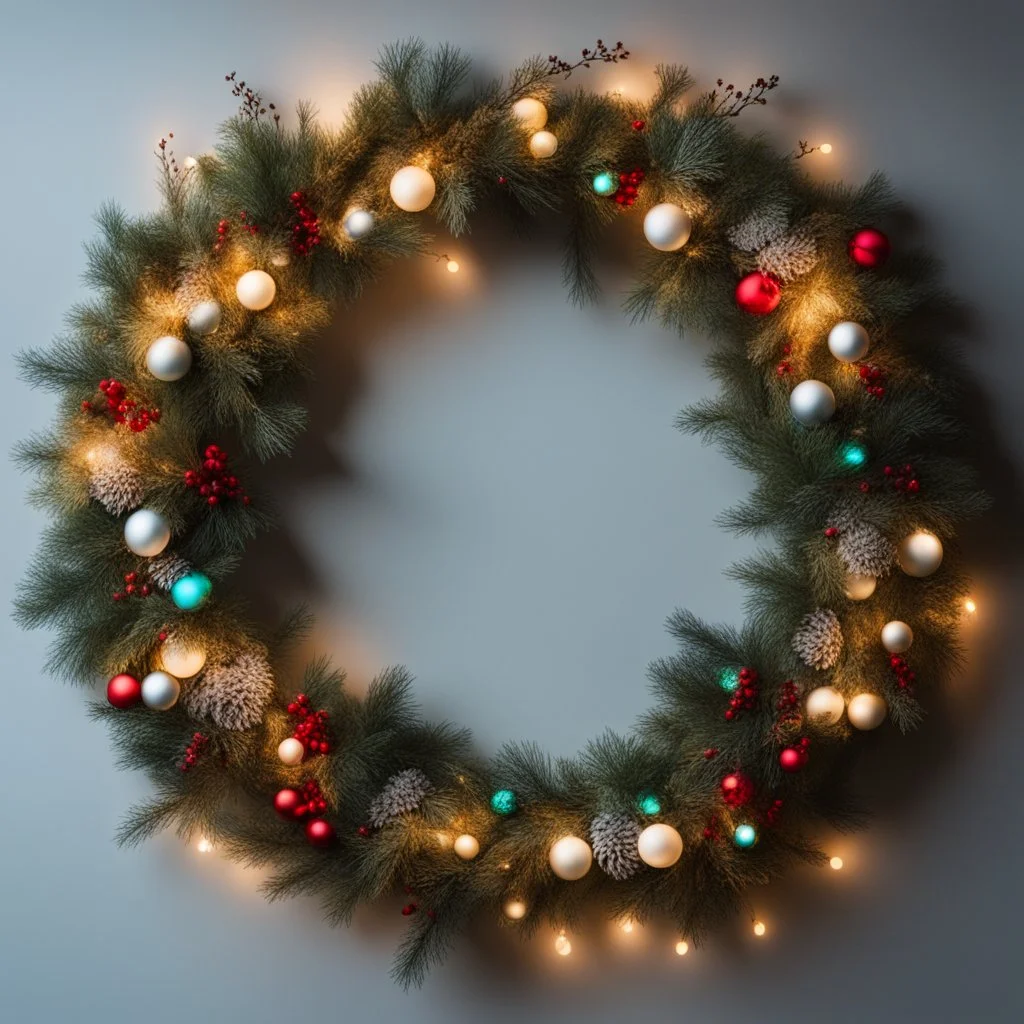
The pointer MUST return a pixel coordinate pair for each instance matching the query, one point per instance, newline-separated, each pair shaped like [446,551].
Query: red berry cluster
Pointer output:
[306,228]
[792,759]
[737,789]
[710,753]
[410,908]
[903,478]
[873,379]
[788,706]
[365,831]
[629,186]
[224,226]
[306,804]
[313,800]
[311,730]
[134,586]
[831,532]
[744,697]
[213,481]
[905,675]
[712,830]
[121,408]
[773,812]
[638,125]
[193,750]
[785,366]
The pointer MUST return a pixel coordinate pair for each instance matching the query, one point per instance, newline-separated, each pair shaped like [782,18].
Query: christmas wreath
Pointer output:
[838,392]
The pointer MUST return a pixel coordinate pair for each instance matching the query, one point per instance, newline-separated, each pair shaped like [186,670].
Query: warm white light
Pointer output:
[969,606]
[627,925]
[204,845]
[452,266]
[759,928]
[563,947]
[190,163]
[826,148]
[682,948]
[836,863]
[515,910]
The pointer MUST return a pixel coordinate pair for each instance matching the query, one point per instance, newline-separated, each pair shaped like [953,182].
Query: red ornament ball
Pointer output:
[758,293]
[737,789]
[287,802]
[869,248]
[791,759]
[319,832]
[124,691]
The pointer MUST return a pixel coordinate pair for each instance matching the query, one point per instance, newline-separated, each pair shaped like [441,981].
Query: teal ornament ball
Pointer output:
[648,803]
[728,679]
[191,591]
[605,183]
[503,802]
[745,836]
[853,454]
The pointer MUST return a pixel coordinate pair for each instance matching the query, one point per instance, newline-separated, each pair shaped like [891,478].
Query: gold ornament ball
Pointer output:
[181,659]
[920,554]
[570,858]
[467,846]
[543,145]
[859,586]
[291,751]
[531,113]
[514,910]
[897,637]
[255,290]
[659,845]
[412,189]
[866,711]
[824,705]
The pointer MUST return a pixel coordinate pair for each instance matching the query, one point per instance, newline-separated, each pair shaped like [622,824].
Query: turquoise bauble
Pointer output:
[853,454]
[745,836]
[191,591]
[728,679]
[648,803]
[503,802]
[605,183]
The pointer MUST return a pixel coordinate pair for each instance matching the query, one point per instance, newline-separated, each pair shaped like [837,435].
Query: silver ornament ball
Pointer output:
[812,403]
[160,691]
[146,533]
[866,711]
[358,224]
[920,554]
[848,341]
[897,637]
[570,858]
[168,358]
[412,189]
[667,227]
[204,317]
[824,705]
[659,845]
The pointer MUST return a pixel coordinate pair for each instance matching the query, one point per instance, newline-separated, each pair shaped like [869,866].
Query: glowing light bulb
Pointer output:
[563,947]
[190,163]
[515,910]
[626,924]
[760,928]
[836,863]
[826,148]
[204,845]
[682,948]
[452,266]
[969,606]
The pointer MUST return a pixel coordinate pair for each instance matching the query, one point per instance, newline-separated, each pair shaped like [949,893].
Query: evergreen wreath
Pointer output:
[198,332]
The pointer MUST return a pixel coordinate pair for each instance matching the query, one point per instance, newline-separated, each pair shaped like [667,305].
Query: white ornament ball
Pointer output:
[358,223]
[146,533]
[532,113]
[291,751]
[866,711]
[859,586]
[812,403]
[543,145]
[255,289]
[897,637]
[824,705]
[848,341]
[659,845]
[667,227]
[181,659]
[204,317]
[412,189]
[920,554]
[168,358]
[570,858]
[467,846]
[514,910]
[160,691]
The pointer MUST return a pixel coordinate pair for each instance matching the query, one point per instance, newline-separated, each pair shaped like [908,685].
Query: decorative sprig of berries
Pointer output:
[251,107]
[873,379]
[600,54]
[744,697]
[311,726]
[905,675]
[135,585]
[903,478]
[629,186]
[731,102]
[306,226]
[214,481]
[193,750]
[116,404]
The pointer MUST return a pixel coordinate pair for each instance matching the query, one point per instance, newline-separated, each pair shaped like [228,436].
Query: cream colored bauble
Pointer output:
[467,846]
[204,317]
[667,227]
[920,554]
[570,858]
[824,705]
[358,223]
[181,659]
[146,533]
[412,189]
[659,845]
[897,637]
[859,586]
[848,341]
[160,691]
[866,711]
[531,113]
[255,289]
[543,145]
[291,751]
[514,910]
[168,358]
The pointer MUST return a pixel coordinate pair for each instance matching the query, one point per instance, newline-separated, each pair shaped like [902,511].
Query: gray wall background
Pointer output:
[497,499]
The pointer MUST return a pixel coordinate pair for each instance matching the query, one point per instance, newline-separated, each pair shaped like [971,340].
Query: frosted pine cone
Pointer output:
[165,570]
[789,255]
[114,483]
[759,229]
[401,793]
[865,550]
[819,639]
[613,835]
[232,694]
[193,289]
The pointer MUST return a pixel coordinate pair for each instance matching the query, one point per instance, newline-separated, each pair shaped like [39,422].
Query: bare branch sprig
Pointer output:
[730,102]
[600,54]
[251,107]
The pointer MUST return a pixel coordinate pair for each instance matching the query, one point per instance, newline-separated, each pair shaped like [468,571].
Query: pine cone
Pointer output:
[193,289]
[790,255]
[232,694]
[863,548]
[759,229]
[819,639]
[401,794]
[115,483]
[165,570]
[613,835]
